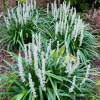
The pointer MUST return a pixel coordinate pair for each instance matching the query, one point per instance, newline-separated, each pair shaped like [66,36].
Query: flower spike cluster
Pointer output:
[76,64]
[62,15]
[24,13]
[28,54]
[48,50]
[87,75]
[71,67]
[42,81]
[31,85]
[21,68]
[37,50]
[73,84]
[43,67]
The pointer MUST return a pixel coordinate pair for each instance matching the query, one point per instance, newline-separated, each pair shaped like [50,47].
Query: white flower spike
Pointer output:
[73,85]
[31,85]
[21,68]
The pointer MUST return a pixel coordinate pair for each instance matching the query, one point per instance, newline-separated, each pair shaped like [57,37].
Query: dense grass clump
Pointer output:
[20,22]
[47,74]
[66,26]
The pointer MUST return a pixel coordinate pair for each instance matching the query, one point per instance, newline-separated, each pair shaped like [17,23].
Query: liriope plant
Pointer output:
[19,22]
[46,74]
[65,25]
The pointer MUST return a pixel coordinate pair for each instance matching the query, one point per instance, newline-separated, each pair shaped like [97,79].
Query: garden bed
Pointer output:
[54,64]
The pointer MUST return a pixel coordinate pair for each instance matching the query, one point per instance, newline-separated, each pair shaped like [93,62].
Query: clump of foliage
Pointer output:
[46,74]
[66,26]
[19,24]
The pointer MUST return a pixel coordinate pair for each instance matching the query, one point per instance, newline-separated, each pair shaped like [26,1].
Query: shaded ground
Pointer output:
[93,21]
[3,54]
[97,77]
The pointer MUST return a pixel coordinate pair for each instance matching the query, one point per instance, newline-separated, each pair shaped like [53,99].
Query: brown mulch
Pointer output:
[94,26]
[93,21]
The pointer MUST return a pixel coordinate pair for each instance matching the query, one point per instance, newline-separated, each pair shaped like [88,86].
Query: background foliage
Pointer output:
[82,4]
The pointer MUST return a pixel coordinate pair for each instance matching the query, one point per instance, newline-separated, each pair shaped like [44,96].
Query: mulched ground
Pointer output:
[3,54]
[94,26]
[93,21]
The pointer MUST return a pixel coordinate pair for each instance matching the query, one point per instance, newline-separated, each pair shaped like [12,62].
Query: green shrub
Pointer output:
[64,25]
[19,24]
[46,74]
